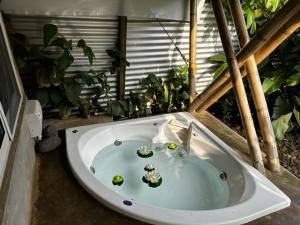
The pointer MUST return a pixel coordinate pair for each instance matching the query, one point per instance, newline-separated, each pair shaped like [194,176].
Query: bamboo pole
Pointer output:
[238,86]
[256,89]
[122,43]
[192,49]
[267,32]
[222,84]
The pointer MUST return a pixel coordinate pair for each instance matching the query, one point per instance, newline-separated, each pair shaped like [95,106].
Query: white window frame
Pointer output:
[4,147]
[9,134]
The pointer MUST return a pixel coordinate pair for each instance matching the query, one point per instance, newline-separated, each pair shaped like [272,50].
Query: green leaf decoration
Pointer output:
[64,110]
[87,51]
[220,70]
[281,125]
[293,80]
[89,80]
[296,113]
[217,58]
[56,96]
[73,90]
[282,107]
[272,84]
[42,96]
[50,30]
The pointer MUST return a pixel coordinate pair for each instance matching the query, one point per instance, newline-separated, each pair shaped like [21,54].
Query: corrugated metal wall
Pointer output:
[150,50]
[148,47]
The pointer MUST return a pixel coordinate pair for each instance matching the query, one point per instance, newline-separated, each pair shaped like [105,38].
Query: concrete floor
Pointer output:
[60,200]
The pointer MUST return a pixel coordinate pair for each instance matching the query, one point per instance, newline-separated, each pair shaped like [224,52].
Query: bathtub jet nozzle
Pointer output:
[117,142]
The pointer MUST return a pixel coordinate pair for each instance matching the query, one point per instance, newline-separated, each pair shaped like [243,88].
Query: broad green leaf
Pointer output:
[55,78]
[297,114]
[217,58]
[90,54]
[272,84]
[293,80]
[42,96]
[166,92]
[275,4]
[56,96]
[281,125]
[50,30]
[282,106]
[65,61]
[43,80]
[253,27]
[220,70]
[86,50]
[249,19]
[124,105]
[112,53]
[116,108]
[72,90]
[263,63]
[89,80]
[296,99]
[297,68]
[153,78]
[123,60]
[63,43]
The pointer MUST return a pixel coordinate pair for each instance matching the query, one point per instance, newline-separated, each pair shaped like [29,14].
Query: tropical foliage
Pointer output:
[157,96]
[257,12]
[280,73]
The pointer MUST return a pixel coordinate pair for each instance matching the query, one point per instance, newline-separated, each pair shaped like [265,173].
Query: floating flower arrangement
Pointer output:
[153,179]
[144,152]
[149,167]
[172,146]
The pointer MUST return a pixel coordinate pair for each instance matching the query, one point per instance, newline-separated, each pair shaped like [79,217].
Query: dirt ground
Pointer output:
[288,149]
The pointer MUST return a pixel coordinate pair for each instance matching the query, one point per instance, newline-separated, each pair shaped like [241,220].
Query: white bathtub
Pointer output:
[250,195]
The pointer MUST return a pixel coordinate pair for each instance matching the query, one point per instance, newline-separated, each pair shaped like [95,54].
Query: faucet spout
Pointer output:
[189,137]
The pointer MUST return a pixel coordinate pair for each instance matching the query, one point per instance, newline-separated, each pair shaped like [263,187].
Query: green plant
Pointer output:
[100,87]
[178,87]
[221,62]
[281,84]
[51,63]
[169,95]
[257,12]
[158,96]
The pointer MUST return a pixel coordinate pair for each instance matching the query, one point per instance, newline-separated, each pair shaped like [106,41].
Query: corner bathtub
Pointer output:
[208,184]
